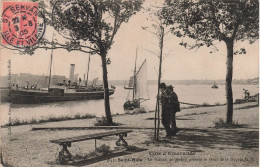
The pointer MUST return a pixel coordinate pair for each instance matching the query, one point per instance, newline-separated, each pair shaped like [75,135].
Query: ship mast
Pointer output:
[50,64]
[88,70]
[134,75]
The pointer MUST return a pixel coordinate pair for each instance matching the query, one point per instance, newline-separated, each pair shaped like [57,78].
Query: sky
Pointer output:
[178,63]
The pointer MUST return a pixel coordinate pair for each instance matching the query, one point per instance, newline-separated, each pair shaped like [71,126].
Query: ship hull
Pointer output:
[28,97]
[4,94]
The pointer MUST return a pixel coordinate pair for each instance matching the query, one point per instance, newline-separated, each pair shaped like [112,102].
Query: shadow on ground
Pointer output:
[177,118]
[221,139]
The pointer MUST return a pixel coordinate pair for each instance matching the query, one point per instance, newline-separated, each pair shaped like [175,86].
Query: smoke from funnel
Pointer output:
[72,68]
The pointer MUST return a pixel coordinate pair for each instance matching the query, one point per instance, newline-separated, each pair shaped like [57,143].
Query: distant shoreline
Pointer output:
[41,80]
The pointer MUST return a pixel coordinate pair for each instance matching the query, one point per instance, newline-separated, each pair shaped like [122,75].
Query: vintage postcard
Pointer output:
[129,83]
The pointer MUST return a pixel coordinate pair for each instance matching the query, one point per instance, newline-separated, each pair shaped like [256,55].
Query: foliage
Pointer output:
[220,123]
[101,150]
[206,21]
[103,122]
[17,121]
[104,149]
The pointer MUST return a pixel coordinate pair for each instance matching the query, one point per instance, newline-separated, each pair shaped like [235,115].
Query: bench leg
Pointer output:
[121,138]
[64,154]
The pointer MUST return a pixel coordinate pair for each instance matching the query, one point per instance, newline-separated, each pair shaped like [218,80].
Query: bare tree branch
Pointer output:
[146,29]
[167,32]
[4,46]
[151,52]
[61,47]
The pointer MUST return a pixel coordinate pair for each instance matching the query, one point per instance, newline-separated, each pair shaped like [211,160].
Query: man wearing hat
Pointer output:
[172,107]
[165,111]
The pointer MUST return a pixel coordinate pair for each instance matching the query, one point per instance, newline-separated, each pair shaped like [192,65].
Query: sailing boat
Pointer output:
[140,88]
[130,83]
[214,86]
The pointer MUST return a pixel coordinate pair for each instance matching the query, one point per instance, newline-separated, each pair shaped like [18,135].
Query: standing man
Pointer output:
[165,112]
[173,106]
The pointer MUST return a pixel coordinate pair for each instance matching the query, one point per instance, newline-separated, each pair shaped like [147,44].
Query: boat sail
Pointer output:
[140,89]
[130,83]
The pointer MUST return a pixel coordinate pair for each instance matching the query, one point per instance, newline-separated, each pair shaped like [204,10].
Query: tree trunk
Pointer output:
[106,90]
[159,79]
[229,75]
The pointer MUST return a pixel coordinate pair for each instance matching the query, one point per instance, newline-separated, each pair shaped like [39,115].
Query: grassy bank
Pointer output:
[100,122]
[17,122]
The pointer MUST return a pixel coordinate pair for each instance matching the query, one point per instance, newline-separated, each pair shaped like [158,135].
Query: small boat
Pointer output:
[139,92]
[130,84]
[248,98]
[214,86]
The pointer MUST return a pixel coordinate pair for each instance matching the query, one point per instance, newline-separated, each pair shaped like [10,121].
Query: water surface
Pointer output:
[196,94]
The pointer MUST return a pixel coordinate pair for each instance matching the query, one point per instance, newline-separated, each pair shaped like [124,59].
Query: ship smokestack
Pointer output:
[72,68]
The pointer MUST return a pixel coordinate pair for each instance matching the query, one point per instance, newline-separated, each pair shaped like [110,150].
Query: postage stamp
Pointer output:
[22,24]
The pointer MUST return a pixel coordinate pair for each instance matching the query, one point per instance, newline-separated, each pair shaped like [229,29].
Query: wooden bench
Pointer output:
[65,155]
